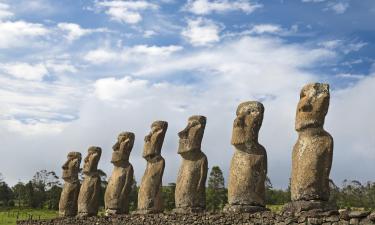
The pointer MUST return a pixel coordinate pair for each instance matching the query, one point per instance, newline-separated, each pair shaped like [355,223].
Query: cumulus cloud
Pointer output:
[130,54]
[266,28]
[338,7]
[5,13]
[75,31]
[201,32]
[20,33]
[204,7]
[34,106]
[126,11]
[25,70]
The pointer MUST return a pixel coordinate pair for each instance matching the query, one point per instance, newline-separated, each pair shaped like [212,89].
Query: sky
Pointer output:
[76,73]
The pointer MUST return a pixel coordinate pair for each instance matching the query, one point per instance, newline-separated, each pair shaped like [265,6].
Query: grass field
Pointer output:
[10,216]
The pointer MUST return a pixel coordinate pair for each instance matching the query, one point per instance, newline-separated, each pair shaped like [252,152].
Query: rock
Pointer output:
[310,208]
[354,221]
[68,205]
[359,214]
[116,196]
[88,199]
[149,195]
[190,195]
[344,214]
[248,170]
[372,216]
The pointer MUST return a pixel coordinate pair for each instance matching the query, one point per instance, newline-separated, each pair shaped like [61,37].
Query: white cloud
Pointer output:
[331,44]
[149,33]
[350,76]
[25,70]
[100,55]
[126,11]
[61,66]
[155,50]
[20,33]
[131,54]
[266,28]
[201,32]
[32,107]
[75,31]
[204,7]
[113,89]
[338,7]
[4,11]
[344,46]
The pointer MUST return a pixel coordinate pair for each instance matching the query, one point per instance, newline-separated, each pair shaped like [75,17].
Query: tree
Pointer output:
[53,197]
[168,196]
[19,191]
[216,193]
[6,194]
[276,196]
[133,196]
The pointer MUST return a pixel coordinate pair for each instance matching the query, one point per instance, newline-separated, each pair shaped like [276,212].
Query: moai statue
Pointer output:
[68,200]
[88,198]
[190,195]
[248,169]
[149,195]
[116,196]
[312,154]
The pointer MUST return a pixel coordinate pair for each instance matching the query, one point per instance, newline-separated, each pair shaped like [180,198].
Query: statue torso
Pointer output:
[190,186]
[247,177]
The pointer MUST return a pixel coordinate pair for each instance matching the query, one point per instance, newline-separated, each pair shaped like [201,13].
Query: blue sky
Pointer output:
[75,73]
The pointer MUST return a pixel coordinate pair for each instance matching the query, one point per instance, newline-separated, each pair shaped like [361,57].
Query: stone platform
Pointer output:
[264,218]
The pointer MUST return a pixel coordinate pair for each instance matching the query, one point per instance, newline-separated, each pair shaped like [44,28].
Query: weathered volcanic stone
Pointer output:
[263,218]
[190,187]
[69,195]
[149,195]
[88,199]
[116,196]
[248,170]
[312,154]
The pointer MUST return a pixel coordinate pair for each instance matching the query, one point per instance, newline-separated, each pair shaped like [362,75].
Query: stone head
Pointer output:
[154,140]
[122,148]
[92,159]
[247,124]
[312,106]
[71,166]
[191,137]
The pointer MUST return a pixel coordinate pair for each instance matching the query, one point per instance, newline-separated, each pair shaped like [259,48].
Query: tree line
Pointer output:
[44,189]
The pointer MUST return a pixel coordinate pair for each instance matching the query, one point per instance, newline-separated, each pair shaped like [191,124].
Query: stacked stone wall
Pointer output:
[264,218]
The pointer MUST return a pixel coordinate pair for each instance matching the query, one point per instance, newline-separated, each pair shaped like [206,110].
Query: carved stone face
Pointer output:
[154,140]
[92,159]
[312,106]
[122,148]
[71,166]
[247,123]
[191,137]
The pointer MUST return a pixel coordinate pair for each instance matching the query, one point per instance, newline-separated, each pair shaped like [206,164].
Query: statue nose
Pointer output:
[65,166]
[148,137]
[307,107]
[238,122]
[183,133]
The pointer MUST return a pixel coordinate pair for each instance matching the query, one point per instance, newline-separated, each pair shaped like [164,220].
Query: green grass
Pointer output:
[275,208]
[10,216]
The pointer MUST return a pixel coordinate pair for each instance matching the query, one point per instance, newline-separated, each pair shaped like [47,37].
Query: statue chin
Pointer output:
[312,123]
